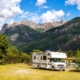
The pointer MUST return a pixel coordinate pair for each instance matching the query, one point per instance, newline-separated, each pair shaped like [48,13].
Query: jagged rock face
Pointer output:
[4,27]
[13,37]
[19,34]
[50,25]
[45,26]
[23,32]
[66,37]
[25,22]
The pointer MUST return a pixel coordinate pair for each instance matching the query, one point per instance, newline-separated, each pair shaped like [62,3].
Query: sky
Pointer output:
[38,11]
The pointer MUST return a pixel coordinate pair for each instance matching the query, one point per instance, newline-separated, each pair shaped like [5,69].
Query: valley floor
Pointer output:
[25,72]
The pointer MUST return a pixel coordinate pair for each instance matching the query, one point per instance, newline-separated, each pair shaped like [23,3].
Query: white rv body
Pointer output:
[49,60]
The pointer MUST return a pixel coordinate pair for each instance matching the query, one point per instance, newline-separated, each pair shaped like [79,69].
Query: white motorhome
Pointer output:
[49,60]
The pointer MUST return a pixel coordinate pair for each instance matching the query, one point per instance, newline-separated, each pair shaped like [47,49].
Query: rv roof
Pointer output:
[58,55]
[39,52]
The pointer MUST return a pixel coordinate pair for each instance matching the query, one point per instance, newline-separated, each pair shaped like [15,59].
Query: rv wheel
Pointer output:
[38,66]
[63,69]
[53,68]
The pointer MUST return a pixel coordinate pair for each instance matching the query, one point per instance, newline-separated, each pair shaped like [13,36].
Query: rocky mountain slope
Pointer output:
[19,34]
[65,37]
[43,27]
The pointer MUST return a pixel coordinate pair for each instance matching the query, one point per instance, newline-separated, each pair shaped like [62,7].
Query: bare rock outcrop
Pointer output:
[44,26]
[4,27]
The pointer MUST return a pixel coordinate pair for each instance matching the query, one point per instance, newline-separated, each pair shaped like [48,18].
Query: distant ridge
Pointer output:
[21,33]
[44,26]
[65,37]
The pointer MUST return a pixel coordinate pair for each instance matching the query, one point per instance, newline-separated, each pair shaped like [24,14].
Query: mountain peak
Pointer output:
[4,27]
[63,21]
[44,26]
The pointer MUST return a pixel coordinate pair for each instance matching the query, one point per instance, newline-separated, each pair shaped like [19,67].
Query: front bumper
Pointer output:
[60,68]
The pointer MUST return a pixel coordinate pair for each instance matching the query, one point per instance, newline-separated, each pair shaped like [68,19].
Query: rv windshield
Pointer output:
[56,60]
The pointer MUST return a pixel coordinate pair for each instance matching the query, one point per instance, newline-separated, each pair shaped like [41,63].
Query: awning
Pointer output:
[70,58]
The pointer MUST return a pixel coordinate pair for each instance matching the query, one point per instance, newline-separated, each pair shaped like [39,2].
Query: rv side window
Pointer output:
[48,54]
[41,58]
[44,57]
[50,60]
[34,57]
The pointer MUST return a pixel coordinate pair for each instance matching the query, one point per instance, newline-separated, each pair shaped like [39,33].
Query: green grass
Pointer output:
[25,72]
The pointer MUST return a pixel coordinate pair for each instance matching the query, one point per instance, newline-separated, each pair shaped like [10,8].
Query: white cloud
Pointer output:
[40,2]
[11,21]
[44,7]
[35,18]
[5,13]
[25,15]
[9,9]
[68,14]
[51,16]
[73,2]
[3,21]
[16,10]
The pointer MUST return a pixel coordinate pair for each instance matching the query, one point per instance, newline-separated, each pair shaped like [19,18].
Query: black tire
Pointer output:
[63,69]
[38,67]
[53,68]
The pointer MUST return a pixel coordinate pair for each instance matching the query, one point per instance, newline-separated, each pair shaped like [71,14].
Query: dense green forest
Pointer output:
[65,37]
[10,54]
[21,34]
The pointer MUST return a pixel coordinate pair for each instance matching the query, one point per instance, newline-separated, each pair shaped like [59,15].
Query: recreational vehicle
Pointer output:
[49,60]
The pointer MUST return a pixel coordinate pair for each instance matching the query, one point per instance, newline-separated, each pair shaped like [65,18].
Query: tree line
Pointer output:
[10,54]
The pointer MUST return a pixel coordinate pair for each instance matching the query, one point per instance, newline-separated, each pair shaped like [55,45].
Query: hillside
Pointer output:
[38,27]
[65,37]
[20,34]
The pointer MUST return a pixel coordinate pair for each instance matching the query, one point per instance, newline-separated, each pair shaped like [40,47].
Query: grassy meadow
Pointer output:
[25,72]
